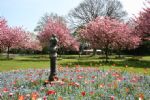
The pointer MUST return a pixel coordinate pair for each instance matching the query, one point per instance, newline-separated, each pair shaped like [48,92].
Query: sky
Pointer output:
[27,13]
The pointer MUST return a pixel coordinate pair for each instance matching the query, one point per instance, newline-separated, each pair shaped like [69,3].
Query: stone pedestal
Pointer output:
[53,57]
[52,68]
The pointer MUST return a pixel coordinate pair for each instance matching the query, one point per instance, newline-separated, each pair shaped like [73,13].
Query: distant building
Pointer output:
[89,51]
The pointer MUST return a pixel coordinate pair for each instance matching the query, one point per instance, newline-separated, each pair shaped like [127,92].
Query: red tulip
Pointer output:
[112,97]
[83,93]
[51,92]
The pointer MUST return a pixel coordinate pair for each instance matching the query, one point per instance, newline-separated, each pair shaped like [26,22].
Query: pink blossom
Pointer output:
[112,97]
[61,31]
[109,33]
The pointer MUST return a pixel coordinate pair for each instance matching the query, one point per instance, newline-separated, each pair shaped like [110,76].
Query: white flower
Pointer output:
[39,98]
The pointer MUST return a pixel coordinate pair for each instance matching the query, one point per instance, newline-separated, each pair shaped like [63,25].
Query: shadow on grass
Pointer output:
[5,59]
[38,57]
[82,57]
[33,60]
[28,60]
[136,64]
[82,63]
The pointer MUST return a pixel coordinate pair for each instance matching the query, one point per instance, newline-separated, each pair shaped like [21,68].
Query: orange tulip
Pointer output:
[127,90]
[115,85]
[34,96]
[141,96]
[60,98]
[21,97]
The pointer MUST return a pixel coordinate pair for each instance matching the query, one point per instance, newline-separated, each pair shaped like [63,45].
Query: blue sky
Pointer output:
[26,13]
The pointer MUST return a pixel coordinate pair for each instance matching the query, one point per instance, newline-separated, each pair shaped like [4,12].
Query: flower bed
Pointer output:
[74,84]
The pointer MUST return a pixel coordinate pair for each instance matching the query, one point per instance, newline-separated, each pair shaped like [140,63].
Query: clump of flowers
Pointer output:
[74,83]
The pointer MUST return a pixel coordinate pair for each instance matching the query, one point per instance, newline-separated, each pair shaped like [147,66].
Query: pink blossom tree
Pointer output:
[3,29]
[58,28]
[126,39]
[33,44]
[105,33]
[141,23]
[142,27]
[14,38]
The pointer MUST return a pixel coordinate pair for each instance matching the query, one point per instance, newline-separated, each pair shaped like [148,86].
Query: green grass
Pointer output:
[136,64]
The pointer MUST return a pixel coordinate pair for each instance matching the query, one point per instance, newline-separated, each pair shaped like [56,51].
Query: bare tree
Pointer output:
[44,19]
[90,9]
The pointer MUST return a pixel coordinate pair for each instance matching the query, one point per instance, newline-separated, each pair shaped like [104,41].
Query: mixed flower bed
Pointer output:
[74,84]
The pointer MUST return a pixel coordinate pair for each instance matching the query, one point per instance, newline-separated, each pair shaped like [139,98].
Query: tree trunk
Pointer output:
[52,68]
[8,52]
[106,53]
[94,52]
[119,53]
[60,52]
[79,54]
[60,55]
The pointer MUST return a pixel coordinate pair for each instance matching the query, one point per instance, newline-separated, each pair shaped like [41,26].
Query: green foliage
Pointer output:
[143,49]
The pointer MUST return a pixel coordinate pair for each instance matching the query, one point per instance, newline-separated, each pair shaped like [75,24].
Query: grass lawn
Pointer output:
[127,63]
